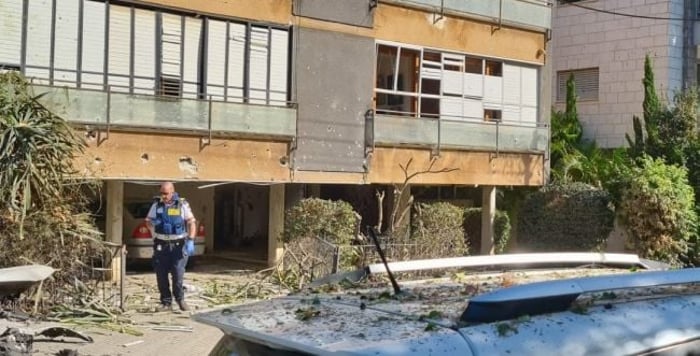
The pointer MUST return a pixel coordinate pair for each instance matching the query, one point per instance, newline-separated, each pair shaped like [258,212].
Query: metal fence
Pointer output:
[317,257]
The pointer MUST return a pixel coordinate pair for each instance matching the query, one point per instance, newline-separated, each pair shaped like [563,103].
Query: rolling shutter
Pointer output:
[66,37]
[11,33]
[39,39]
[216,59]
[144,51]
[93,45]
[259,51]
[119,48]
[511,84]
[193,40]
[236,61]
[171,39]
[279,58]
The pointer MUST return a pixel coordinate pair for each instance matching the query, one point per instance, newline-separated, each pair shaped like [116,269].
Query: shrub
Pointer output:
[567,217]
[334,221]
[331,221]
[658,209]
[472,228]
[437,229]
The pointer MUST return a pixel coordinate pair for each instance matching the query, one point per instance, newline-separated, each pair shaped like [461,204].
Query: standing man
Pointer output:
[174,228]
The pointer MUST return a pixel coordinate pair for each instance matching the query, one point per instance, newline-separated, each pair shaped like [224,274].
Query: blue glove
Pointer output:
[189,247]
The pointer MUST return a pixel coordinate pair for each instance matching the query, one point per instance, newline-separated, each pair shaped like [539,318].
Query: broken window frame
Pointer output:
[470,102]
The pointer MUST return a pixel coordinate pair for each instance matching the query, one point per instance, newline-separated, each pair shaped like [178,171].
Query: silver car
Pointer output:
[139,242]
[557,311]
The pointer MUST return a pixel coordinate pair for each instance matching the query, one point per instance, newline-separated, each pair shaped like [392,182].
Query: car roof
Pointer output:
[368,319]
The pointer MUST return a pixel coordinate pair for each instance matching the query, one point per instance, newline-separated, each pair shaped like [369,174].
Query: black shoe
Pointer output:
[183,305]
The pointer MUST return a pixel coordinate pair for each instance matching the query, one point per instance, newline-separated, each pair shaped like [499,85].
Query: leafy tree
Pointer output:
[566,128]
[574,159]
[44,216]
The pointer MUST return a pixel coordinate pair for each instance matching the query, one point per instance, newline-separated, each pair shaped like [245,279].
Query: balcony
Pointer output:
[531,14]
[460,134]
[124,110]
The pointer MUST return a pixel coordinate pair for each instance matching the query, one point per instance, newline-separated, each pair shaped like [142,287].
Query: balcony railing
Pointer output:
[536,14]
[459,134]
[118,109]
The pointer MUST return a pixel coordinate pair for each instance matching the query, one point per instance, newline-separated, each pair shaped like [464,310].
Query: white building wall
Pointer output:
[617,45]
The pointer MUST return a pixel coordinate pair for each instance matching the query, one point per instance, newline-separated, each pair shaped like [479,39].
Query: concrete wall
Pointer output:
[617,46]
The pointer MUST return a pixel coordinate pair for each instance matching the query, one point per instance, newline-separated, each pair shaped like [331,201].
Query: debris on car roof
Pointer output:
[426,317]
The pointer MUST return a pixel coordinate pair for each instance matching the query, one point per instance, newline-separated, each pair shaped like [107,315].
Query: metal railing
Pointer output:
[117,107]
[458,133]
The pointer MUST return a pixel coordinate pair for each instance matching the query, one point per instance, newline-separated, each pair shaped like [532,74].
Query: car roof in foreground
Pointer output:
[427,317]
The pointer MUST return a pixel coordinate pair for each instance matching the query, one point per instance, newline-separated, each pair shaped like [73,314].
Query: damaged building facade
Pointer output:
[254,104]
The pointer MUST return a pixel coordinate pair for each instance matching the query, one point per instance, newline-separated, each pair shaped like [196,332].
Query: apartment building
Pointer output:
[603,43]
[251,105]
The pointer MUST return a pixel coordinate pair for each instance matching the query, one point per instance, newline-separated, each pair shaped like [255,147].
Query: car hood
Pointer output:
[326,325]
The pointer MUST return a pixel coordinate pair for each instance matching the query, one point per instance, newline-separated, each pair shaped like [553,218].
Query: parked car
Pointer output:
[562,311]
[139,242]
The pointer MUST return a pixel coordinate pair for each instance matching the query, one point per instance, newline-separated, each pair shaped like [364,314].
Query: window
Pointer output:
[141,50]
[427,83]
[494,69]
[585,80]
[397,80]
[492,115]
[170,86]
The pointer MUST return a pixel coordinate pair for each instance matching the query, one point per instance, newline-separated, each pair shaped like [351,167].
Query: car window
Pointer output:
[138,210]
[689,348]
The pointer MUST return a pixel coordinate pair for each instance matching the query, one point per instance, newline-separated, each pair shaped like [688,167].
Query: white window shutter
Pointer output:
[66,37]
[529,86]
[38,39]
[11,33]
[474,85]
[193,39]
[171,41]
[119,47]
[216,58]
[259,51]
[93,44]
[511,84]
[279,54]
[236,61]
[144,51]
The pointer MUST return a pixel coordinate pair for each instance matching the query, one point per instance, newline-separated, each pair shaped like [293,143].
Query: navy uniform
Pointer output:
[169,220]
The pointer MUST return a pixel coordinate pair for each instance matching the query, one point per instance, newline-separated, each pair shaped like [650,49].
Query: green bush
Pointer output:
[567,217]
[333,221]
[472,228]
[437,229]
[658,209]
[309,220]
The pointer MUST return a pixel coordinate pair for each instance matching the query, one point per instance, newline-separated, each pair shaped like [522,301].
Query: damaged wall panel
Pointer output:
[334,91]
[349,12]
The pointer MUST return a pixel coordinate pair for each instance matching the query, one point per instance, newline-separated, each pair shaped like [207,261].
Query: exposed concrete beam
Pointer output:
[276,224]
[488,214]
[114,227]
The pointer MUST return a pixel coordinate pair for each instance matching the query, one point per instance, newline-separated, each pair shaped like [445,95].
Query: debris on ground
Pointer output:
[15,341]
[93,312]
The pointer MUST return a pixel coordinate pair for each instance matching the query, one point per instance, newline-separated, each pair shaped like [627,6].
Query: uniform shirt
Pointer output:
[185,210]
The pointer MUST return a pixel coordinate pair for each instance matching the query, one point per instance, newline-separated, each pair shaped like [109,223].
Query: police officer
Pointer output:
[174,227]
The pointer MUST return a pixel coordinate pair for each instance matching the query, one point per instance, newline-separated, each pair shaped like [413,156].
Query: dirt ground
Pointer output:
[210,284]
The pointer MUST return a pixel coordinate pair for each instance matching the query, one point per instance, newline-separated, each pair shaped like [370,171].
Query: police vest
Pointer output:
[170,217]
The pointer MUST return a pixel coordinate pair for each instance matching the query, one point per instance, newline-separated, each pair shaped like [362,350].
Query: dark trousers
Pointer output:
[169,257]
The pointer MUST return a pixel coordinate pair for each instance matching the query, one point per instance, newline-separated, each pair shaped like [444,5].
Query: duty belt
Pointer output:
[166,237]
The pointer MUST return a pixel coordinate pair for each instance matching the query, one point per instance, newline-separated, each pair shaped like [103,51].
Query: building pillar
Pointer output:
[114,231]
[275,224]
[488,215]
